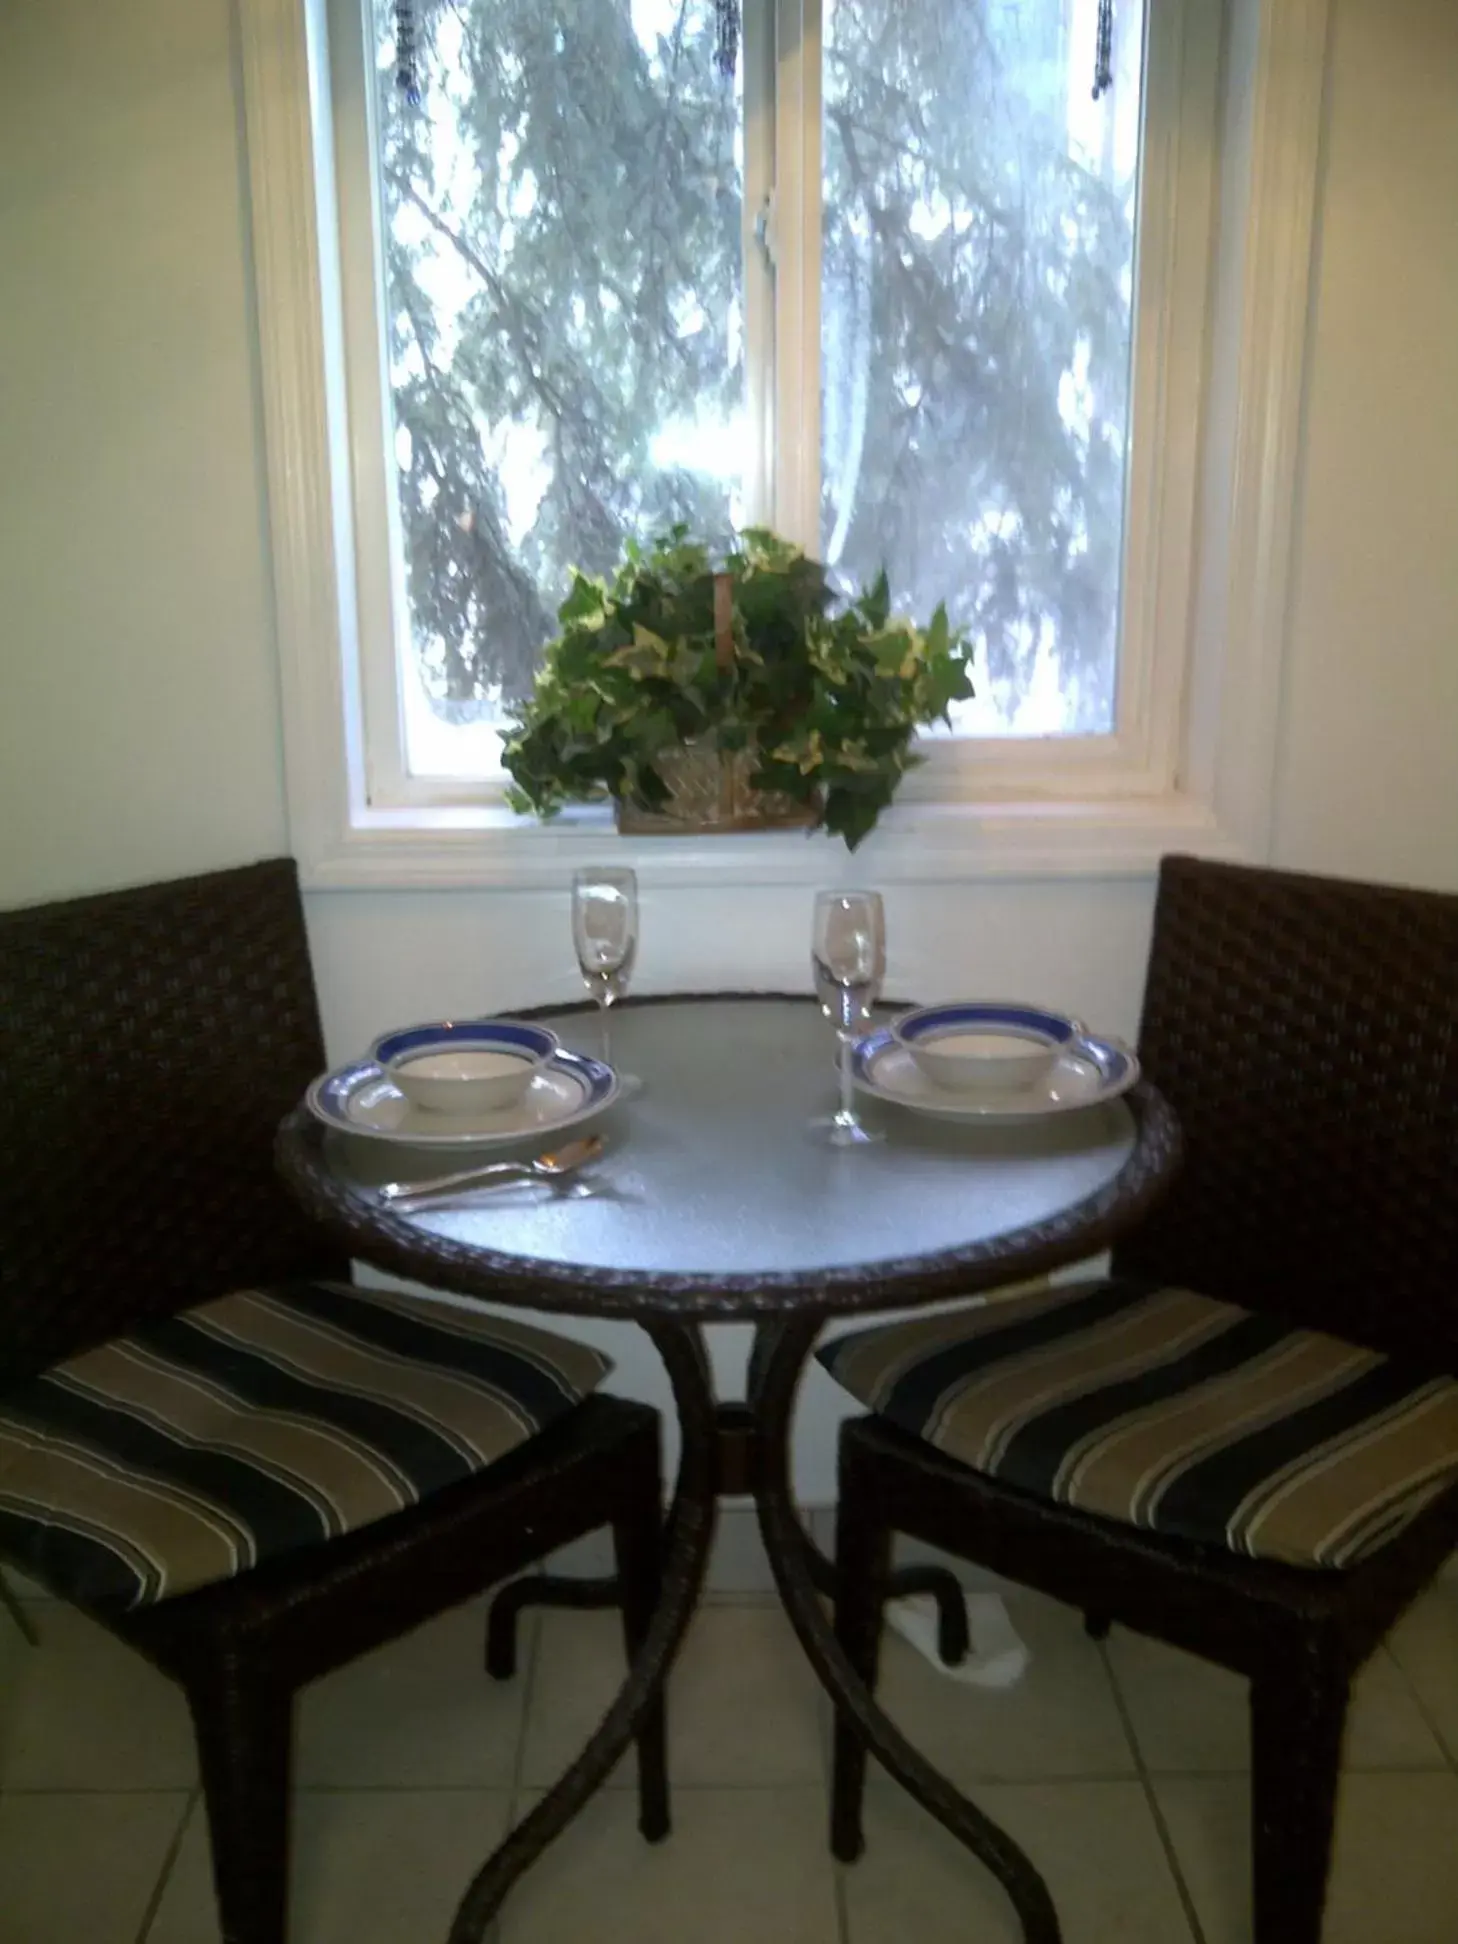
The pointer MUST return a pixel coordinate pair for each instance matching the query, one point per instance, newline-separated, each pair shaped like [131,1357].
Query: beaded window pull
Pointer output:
[1104,50]
[406,78]
[726,44]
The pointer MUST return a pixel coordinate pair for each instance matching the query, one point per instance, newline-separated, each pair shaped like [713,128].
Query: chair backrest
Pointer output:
[150,1042]
[1305,1030]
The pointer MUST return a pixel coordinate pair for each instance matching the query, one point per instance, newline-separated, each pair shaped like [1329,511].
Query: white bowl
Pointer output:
[978,1048]
[465,1066]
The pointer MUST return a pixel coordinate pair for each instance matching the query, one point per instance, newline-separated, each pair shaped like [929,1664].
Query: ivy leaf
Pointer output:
[888,651]
[937,633]
[585,600]
[876,604]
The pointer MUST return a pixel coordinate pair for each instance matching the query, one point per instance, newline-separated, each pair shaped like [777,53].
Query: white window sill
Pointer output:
[917,843]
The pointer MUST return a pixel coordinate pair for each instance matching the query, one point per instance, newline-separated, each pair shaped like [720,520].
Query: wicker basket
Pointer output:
[709,788]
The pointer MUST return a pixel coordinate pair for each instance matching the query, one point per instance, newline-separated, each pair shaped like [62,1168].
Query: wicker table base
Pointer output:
[733,1448]
[736,1447]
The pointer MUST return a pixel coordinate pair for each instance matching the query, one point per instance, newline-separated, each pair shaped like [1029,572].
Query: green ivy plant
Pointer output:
[827,698]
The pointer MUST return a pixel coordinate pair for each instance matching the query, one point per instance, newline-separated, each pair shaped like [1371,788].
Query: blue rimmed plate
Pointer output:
[360,1099]
[1088,1070]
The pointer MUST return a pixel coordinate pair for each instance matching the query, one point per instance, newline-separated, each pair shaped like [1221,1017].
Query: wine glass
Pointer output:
[605,935]
[849,956]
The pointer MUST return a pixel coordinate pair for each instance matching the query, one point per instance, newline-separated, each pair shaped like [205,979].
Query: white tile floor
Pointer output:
[1121,1770]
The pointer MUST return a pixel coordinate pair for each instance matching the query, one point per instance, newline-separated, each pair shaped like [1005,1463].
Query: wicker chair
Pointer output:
[1306,1032]
[150,1041]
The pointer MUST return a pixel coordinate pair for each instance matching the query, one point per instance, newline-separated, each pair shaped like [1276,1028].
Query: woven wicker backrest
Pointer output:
[1305,1031]
[150,1042]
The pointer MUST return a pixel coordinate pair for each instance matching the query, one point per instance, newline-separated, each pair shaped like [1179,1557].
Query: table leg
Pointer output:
[782,1349]
[689,1536]
[736,1447]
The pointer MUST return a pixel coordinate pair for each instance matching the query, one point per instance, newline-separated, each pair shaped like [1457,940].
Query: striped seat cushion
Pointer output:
[1168,1410]
[206,1443]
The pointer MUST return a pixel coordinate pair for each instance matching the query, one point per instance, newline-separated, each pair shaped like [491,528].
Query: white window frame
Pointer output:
[1216,400]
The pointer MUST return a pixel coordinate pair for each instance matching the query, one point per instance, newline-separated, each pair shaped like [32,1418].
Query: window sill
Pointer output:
[479,847]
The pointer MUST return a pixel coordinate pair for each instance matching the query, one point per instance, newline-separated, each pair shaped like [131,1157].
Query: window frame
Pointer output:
[1216,397]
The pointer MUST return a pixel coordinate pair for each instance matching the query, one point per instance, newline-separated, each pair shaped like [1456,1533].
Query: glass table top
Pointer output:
[713,1170]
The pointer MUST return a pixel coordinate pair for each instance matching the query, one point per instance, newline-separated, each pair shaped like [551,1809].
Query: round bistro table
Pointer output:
[715,1202]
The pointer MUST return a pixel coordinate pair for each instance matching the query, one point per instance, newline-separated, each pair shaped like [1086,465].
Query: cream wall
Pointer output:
[139,730]
[139,734]
[1368,781]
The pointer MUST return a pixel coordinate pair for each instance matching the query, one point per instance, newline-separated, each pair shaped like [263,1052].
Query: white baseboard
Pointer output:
[738,1566]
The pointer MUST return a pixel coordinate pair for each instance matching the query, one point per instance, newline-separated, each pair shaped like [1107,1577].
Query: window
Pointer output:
[1117,507]
[976,293]
[560,231]
[877,291]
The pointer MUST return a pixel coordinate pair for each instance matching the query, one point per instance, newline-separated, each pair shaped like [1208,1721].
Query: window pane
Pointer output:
[563,315]
[978,241]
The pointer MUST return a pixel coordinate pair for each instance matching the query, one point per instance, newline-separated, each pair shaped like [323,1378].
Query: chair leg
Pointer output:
[243,1728]
[862,1575]
[638,1548]
[543,1590]
[1297,1721]
[954,1639]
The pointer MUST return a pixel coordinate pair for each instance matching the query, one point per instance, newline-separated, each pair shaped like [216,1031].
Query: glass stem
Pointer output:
[604,1006]
[847,1092]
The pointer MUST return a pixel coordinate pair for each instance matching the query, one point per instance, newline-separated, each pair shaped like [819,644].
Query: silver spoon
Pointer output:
[546,1167]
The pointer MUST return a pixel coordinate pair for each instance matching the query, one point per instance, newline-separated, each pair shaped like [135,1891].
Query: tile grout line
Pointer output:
[528,1697]
[1450,1755]
[842,1902]
[1094,1778]
[527,1692]
[1187,1902]
[1019,1779]
[169,1863]
[824,1738]
[505,1788]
